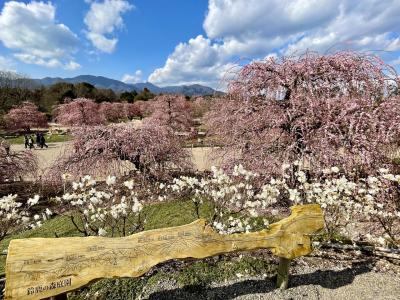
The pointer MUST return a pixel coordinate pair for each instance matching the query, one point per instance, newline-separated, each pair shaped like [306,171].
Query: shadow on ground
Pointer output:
[329,279]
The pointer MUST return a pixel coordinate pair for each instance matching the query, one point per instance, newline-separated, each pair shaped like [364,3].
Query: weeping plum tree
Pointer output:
[322,110]
[77,112]
[102,150]
[172,111]
[16,164]
[25,116]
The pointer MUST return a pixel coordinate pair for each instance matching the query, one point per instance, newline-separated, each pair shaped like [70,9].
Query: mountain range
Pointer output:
[119,86]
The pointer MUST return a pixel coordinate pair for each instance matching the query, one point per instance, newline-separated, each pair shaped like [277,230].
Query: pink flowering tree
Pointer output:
[14,165]
[25,116]
[142,108]
[114,111]
[103,150]
[119,111]
[133,110]
[77,112]
[200,106]
[172,111]
[331,110]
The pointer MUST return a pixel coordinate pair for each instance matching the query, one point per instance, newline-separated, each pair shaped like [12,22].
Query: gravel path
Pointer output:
[201,156]
[313,278]
[46,156]
[372,286]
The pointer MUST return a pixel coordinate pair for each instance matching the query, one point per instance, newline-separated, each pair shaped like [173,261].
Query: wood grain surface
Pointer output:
[38,268]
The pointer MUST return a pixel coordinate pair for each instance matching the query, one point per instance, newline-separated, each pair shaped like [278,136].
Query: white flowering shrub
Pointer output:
[14,215]
[366,208]
[113,209]
[355,207]
[235,202]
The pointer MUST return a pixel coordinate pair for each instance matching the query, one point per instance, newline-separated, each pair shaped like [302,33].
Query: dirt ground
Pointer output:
[201,156]
[323,275]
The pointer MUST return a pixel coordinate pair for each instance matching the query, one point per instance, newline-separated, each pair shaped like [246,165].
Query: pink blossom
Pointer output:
[16,164]
[25,116]
[80,111]
[152,150]
[322,110]
[172,111]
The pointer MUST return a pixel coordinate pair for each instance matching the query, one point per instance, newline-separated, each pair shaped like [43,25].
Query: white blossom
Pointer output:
[335,169]
[102,232]
[110,180]
[34,200]
[129,184]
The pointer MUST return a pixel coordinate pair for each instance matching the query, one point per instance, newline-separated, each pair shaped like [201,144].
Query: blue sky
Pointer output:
[185,41]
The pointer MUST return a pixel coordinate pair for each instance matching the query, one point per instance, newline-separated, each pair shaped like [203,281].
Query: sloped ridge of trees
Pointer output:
[102,150]
[340,109]
[17,88]
[14,89]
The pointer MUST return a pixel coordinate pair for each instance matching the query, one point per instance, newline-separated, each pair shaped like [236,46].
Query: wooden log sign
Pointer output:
[38,268]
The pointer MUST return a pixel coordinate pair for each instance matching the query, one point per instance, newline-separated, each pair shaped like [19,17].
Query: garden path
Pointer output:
[201,156]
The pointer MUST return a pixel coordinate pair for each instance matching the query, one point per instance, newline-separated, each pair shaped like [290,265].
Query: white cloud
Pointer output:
[135,78]
[48,63]
[72,66]
[244,19]
[101,42]
[33,59]
[255,28]
[298,25]
[6,64]
[198,61]
[102,20]
[32,31]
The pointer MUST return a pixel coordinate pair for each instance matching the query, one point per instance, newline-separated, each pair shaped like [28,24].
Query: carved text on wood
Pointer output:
[37,268]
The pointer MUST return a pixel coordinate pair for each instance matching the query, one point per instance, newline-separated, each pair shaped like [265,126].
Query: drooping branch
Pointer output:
[321,110]
[14,165]
[104,150]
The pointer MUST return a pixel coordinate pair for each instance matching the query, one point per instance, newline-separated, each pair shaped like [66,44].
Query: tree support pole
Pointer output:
[282,280]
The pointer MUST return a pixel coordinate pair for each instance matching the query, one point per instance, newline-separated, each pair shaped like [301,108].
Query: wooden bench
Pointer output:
[38,268]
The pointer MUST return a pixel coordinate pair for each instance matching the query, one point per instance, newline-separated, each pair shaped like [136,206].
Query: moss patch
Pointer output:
[203,273]
[174,213]
[192,277]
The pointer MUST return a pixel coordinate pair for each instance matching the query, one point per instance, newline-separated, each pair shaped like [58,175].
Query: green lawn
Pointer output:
[54,138]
